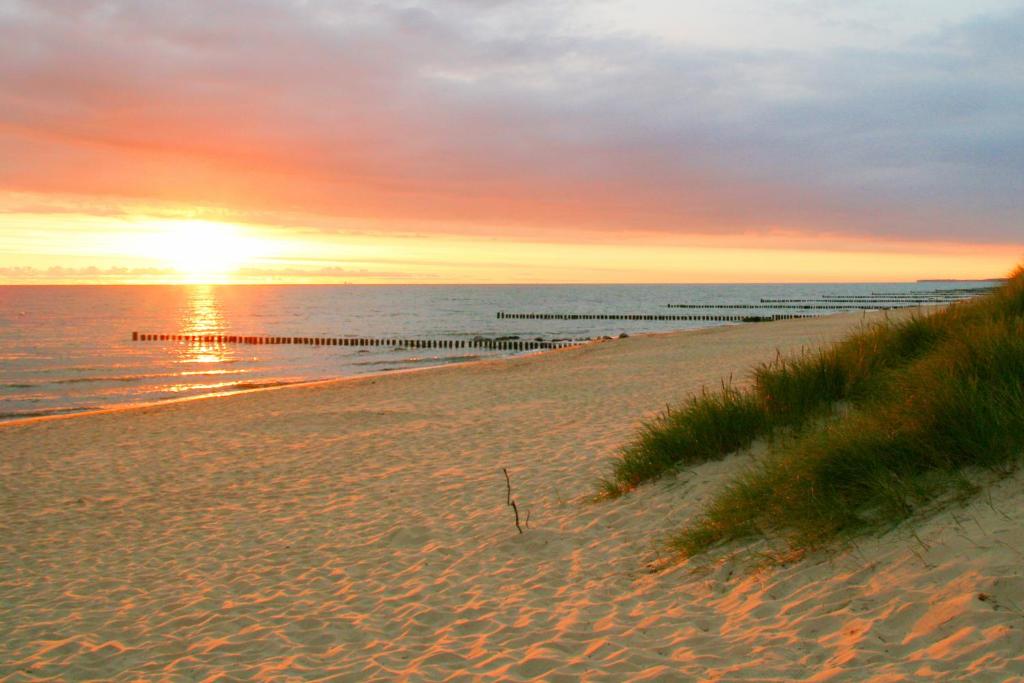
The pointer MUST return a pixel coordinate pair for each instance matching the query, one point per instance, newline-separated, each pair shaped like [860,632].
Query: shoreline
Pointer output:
[347,378]
[360,529]
[109,373]
[120,407]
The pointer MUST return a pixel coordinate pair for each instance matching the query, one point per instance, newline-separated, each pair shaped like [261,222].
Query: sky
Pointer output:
[510,140]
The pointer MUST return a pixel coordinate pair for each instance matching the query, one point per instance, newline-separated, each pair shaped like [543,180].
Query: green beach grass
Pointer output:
[924,400]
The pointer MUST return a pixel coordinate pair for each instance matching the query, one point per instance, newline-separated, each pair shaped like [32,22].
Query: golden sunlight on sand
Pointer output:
[358,530]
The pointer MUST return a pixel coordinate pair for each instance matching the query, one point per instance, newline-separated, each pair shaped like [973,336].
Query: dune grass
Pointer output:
[708,427]
[786,394]
[929,398]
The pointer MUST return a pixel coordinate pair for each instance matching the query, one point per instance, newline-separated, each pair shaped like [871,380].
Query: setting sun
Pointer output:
[205,251]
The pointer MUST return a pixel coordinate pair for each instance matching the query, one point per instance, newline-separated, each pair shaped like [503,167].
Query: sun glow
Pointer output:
[165,247]
[205,251]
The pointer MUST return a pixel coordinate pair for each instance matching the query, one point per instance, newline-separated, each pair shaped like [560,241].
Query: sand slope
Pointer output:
[358,530]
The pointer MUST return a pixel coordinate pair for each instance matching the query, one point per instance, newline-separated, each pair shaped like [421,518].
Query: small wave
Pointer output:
[119,378]
[112,367]
[43,412]
[227,387]
[112,378]
[266,384]
[441,359]
[220,361]
[421,360]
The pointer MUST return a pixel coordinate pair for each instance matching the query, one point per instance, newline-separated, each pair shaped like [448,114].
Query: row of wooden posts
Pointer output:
[874,303]
[895,297]
[970,291]
[830,307]
[481,343]
[649,317]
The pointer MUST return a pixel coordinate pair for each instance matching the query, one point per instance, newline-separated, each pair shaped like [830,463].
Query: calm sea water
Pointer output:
[69,349]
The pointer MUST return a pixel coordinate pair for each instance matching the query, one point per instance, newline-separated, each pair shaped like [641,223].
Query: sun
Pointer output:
[205,251]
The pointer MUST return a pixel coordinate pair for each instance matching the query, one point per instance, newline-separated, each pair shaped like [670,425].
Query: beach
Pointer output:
[358,530]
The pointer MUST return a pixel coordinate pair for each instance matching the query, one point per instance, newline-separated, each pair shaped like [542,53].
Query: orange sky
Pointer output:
[440,142]
[147,249]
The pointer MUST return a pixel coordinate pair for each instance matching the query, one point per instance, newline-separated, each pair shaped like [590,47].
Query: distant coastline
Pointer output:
[943,279]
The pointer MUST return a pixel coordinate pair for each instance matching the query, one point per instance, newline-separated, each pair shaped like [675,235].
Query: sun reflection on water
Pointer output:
[178,388]
[201,316]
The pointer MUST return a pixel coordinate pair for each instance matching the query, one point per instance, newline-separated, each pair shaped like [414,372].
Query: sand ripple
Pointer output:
[358,531]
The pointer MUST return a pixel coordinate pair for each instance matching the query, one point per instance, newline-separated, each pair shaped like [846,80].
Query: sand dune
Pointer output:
[358,530]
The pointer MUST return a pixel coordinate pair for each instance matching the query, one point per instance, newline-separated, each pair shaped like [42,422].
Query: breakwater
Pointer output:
[650,317]
[498,344]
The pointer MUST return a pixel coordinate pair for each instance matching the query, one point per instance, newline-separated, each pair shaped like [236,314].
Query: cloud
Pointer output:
[329,273]
[497,116]
[83,273]
[94,274]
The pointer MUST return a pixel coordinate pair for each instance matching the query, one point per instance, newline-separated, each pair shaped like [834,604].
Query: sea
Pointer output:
[69,349]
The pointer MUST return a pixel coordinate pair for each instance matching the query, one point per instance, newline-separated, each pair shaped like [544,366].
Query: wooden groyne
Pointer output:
[957,297]
[857,302]
[822,306]
[499,344]
[650,317]
[795,303]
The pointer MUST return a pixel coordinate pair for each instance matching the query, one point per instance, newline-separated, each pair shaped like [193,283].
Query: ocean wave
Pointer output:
[119,378]
[43,412]
[219,388]
[265,384]
[420,360]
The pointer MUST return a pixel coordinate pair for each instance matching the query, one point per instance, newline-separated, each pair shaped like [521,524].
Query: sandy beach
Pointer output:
[358,530]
